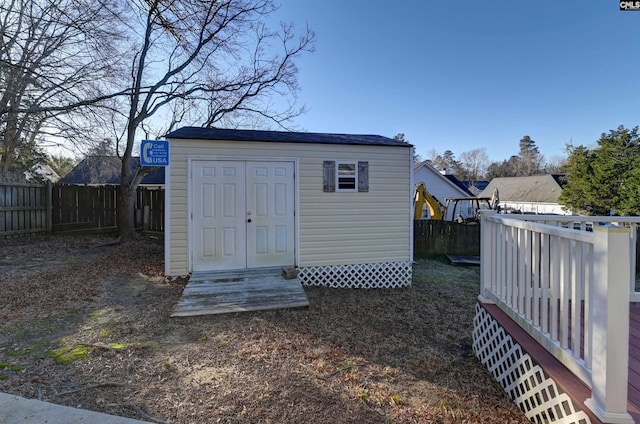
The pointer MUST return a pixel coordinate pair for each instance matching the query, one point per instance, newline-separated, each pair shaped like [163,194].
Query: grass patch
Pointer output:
[21,352]
[434,257]
[144,345]
[6,365]
[76,352]
[117,346]
[37,349]
[106,333]
[67,354]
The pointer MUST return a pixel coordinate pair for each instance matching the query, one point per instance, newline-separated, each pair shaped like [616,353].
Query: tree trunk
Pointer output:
[127,203]
[10,139]
[126,211]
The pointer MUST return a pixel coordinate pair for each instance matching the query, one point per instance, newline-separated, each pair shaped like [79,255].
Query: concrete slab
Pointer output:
[16,409]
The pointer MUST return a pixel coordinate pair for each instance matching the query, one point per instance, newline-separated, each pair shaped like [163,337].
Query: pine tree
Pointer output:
[606,179]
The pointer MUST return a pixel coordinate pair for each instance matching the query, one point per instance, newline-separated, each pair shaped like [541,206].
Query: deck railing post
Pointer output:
[609,324]
[634,297]
[487,261]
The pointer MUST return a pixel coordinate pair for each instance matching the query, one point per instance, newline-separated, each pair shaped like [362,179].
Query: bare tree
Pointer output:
[475,163]
[204,62]
[556,164]
[433,157]
[54,61]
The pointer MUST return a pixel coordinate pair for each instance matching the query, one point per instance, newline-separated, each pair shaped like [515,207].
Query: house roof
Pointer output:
[41,171]
[458,183]
[197,133]
[451,178]
[479,185]
[534,189]
[99,170]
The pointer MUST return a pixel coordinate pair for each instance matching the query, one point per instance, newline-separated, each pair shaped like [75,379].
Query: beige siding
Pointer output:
[334,228]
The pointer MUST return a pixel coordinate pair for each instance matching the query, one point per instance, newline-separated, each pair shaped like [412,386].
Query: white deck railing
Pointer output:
[570,290]
[586,223]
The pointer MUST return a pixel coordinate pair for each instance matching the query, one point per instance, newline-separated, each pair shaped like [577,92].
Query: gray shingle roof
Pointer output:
[197,133]
[104,170]
[536,188]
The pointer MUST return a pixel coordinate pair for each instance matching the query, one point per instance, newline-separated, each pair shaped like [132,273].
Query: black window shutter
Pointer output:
[363,176]
[329,176]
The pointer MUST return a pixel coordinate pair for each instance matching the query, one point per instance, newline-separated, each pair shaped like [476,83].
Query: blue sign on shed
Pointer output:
[154,153]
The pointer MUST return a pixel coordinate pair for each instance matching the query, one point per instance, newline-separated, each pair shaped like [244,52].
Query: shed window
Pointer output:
[346,176]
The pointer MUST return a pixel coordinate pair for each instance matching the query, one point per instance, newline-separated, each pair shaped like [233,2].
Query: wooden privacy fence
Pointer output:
[95,208]
[77,208]
[28,209]
[24,209]
[436,237]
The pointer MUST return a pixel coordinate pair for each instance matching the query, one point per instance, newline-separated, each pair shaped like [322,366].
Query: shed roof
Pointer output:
[97,170]
[535,189]
[197,133]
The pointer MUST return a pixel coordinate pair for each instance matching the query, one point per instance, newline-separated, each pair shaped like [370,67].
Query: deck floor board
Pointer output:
[239,291]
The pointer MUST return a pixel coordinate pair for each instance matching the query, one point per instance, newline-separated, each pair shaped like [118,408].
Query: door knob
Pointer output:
[249,220]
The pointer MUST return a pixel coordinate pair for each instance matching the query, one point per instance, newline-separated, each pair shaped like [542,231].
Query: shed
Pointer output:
[335,206]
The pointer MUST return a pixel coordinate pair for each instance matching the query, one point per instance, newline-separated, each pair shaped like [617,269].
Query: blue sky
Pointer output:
[461,75]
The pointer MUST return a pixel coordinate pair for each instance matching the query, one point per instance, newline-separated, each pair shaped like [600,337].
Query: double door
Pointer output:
[242,214]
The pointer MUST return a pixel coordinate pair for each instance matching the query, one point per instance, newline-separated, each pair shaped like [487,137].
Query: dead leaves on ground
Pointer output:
[355,356]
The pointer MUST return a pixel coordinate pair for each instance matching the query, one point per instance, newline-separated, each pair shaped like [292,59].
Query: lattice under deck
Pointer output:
[524,381]
[363,276]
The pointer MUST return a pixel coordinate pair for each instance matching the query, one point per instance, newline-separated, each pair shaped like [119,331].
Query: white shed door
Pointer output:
[270,208]
[243,214]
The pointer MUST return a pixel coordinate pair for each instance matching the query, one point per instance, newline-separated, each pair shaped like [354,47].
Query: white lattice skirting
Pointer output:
[524,381]
[363,276]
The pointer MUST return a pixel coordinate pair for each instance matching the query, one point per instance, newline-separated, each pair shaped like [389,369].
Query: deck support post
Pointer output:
[610,325]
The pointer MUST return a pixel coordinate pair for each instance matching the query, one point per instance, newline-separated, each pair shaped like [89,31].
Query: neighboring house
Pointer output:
[37,174]
[41,173]
[105,170]
[439,185]
[535,194]
[475,187]
[333,205]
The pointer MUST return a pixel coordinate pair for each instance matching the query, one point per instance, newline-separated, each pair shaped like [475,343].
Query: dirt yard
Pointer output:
[87,325]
